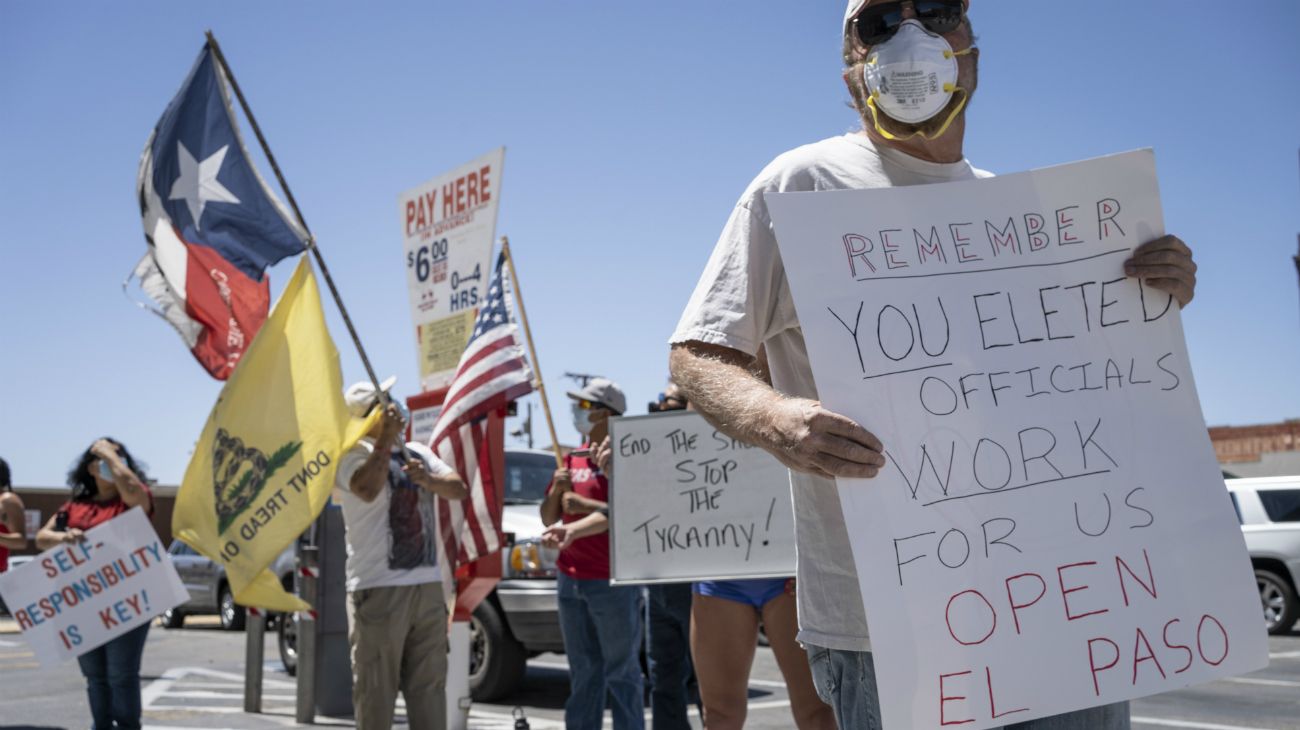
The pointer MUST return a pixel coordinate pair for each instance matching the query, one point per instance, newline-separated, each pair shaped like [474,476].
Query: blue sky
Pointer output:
[630,131]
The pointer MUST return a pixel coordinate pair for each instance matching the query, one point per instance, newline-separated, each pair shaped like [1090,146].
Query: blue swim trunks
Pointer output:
[756,592]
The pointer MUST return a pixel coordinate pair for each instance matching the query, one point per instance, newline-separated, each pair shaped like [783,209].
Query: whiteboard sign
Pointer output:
[1050,531]
[77,596]
[691,503]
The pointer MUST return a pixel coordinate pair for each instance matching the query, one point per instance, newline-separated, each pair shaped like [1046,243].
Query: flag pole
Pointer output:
[532,352]
[311,239]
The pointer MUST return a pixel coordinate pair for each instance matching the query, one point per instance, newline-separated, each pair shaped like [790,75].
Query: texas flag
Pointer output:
[212,224]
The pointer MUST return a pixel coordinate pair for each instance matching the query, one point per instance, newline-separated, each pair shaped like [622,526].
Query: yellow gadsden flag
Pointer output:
[264,466]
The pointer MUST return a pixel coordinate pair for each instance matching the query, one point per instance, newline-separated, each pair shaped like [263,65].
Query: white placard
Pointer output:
[1051,531]
[448,225]
[422,422]
[76,597]
[691,503]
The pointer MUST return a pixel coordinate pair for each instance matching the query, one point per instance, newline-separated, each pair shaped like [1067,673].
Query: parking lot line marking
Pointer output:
[1284,655]
[156,688]
[1264,682]
[537,723]
[224,709]
[768,704]
[766,683]
[177,727]
[19,665]
[549,665]
[10,643]
[765,705]
[207,694]
[1163,722]
[290,718]
[189,683]
[175,683]
[16,654]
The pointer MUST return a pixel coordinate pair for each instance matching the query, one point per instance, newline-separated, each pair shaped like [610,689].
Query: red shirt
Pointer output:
[84,514]
[588,557]
[4,551]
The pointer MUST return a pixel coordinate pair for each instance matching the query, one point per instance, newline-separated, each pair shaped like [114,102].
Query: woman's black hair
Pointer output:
[83,482]
[6,481]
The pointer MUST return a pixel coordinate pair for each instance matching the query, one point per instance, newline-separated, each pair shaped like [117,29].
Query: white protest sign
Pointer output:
[448,224]
[1051,530]
[691,503]
[78,596]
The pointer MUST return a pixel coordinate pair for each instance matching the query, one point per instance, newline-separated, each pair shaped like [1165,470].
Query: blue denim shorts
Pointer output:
[755,592]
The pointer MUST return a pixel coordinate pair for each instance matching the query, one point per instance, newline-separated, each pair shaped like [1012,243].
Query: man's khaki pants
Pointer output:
[398,636]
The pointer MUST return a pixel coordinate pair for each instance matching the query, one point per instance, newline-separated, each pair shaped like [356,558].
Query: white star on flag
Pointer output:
[197,184]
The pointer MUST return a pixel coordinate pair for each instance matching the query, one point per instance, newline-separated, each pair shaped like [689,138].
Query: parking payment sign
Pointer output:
[448,225]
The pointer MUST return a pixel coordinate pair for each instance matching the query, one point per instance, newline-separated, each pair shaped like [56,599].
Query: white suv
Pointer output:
[520,618]
[1269,510]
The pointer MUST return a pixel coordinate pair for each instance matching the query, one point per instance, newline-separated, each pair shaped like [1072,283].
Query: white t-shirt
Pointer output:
[743,301]
[392,541]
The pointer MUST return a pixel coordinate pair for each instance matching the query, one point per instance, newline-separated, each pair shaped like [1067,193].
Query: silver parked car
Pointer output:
[209,591]
[1269,510]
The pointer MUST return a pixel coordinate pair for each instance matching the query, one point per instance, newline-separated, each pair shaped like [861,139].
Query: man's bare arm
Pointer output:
[448,486]
[553,505]
[371,477]
[729,389]
[575,504]
[562,536]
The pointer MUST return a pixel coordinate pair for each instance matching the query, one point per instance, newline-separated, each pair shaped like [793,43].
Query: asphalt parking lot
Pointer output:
[193,678]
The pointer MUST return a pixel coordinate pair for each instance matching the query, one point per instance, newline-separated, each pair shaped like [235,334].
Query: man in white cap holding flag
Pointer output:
[739,353]
[397,619]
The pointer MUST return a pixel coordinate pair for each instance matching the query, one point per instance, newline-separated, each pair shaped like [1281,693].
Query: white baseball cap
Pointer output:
[603,391]
[361,396]
[855,6]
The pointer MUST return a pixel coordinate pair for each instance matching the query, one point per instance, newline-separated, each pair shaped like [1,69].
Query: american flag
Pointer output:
[492,372]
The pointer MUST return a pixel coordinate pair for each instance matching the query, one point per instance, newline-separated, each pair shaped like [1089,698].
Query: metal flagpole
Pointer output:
[532,352]
[311,239]
[306,634]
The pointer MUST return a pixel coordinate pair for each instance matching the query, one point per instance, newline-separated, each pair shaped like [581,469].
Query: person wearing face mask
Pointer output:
[397,618]
[106,481]
[600,623]
[738,352]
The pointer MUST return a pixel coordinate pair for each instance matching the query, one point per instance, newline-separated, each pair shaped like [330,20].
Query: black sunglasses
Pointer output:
[878,23]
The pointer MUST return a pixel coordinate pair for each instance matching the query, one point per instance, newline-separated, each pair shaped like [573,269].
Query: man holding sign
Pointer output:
[739,351]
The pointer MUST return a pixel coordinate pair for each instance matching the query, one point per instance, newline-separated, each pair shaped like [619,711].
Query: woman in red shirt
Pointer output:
[600,623]
[106,481]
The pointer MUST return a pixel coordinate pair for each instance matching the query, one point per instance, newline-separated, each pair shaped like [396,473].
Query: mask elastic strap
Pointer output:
[875,117]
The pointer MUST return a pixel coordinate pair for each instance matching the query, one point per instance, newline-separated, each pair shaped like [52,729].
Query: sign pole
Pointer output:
[284,185]
[532,351]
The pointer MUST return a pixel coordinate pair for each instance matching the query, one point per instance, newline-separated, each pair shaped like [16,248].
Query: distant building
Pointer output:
[43,502]
[1265,450]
